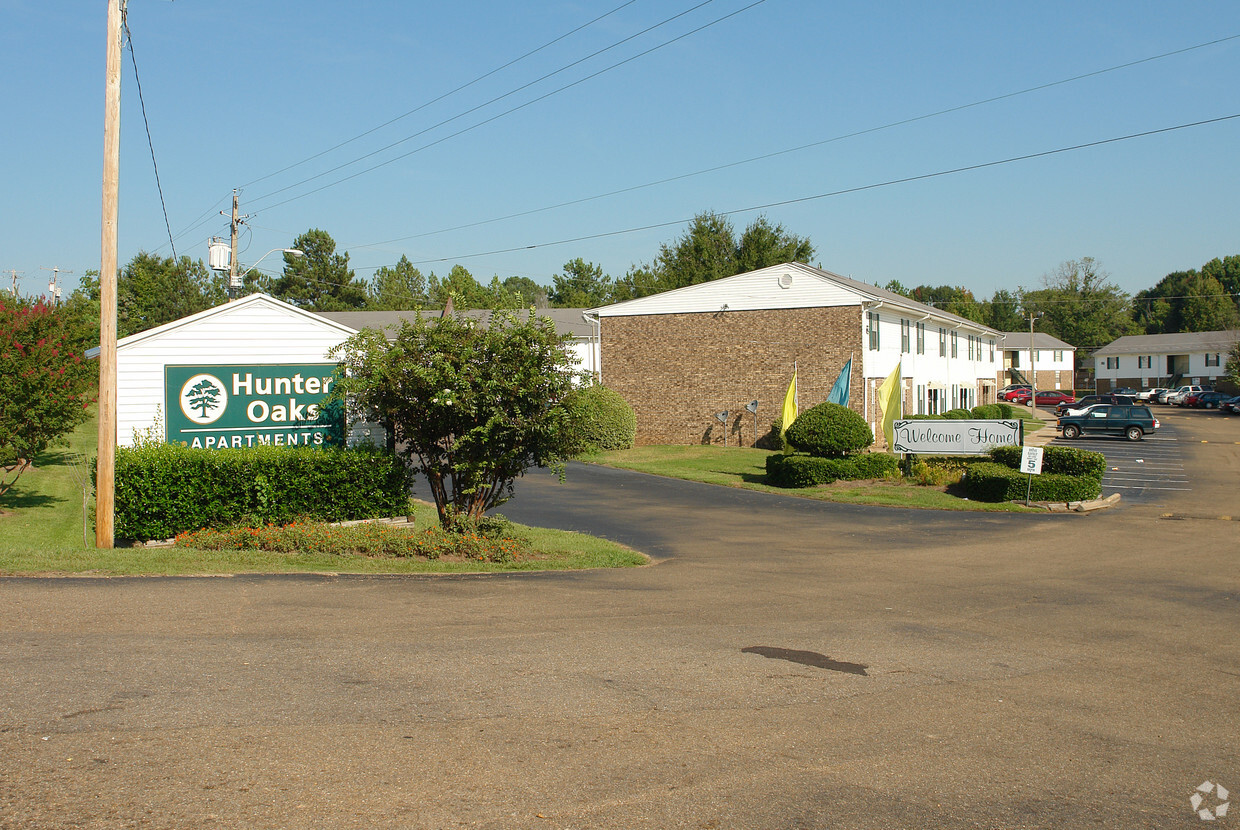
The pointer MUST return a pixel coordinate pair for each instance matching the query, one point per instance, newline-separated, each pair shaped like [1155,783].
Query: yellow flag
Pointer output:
[890,398]
[790,406]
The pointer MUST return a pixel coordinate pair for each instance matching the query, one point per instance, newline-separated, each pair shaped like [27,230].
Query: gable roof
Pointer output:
[1017,340]
[245,304]
[1177,343]
[789,285]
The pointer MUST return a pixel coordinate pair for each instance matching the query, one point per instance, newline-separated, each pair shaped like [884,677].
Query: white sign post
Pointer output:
[1031,463]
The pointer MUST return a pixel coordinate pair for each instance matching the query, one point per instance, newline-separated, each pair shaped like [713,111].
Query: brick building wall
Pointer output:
[678,370]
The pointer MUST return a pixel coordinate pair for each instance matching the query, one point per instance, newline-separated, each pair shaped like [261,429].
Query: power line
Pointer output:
[498,116]
[138,82]
[811,145]
[844,191]
[436,100]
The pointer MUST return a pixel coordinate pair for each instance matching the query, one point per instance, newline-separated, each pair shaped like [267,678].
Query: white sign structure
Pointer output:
[924,437]
[1031,461]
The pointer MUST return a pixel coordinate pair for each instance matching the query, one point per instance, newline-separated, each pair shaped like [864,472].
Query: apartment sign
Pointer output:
[955,437]
[234,406]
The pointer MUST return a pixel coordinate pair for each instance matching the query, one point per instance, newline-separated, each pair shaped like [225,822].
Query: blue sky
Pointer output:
[237,91]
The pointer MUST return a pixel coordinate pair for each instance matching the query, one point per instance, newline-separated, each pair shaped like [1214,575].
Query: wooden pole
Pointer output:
[106,466]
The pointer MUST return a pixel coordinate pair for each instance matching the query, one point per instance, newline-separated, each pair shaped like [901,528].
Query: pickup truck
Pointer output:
[1134,422]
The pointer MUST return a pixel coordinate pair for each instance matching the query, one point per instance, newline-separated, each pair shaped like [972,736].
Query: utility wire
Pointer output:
[499,115]
[463,86]
[844,191]
[138,81]
[765,156]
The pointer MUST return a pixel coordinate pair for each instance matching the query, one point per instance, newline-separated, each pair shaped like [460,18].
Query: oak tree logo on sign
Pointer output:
[203,399]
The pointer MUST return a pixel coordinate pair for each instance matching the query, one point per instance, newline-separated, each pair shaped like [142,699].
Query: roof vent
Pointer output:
[785,280]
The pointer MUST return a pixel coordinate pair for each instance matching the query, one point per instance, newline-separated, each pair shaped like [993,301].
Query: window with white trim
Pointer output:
[905,339]
[955,350]
[1212,359]
[921,340]
[942,342]
[871,318]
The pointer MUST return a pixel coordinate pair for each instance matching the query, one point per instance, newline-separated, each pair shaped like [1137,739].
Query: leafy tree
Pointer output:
[153,290]
[1232,369]
[1189,301]
[1080,305]
[763,244]
[471,407]
[398,288]
[1002,312]
[321,279]
[461,286]
[709,250]
[582,285]
[952,299]
[1227,272]
[529,293]
[45,385]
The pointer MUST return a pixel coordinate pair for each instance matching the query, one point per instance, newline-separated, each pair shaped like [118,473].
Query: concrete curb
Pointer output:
[1076,506]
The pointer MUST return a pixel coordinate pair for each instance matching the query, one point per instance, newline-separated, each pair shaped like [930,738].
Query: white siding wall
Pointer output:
[255,332]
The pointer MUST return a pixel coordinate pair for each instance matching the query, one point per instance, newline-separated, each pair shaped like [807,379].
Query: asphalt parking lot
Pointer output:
[1144,471]
[784,664]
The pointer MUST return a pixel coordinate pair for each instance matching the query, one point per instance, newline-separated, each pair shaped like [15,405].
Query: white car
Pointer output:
[1177,397]
[1150,395]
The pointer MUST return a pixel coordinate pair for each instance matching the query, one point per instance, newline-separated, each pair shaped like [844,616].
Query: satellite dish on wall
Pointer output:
[785,280]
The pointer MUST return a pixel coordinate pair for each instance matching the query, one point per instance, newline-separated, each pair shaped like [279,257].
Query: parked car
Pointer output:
[1206,400]
[1177,397]
[1046,397]
[1126,390]
[1165,395]
[1231,406]
[1005,394]
[1090,400]
[1133,422]
[1150,395]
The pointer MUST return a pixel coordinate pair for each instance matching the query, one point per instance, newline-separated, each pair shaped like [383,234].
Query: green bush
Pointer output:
[829,430]
[986,412]
[993,482]
[166,489]
[1006,412]
[957,415]
[1068,461]
[598,419]
[808,471]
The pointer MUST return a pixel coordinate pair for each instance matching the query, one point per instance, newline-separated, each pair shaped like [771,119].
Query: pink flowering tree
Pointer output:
[46,384]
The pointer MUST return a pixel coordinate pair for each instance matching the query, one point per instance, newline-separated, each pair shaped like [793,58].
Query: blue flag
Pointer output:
[839,392]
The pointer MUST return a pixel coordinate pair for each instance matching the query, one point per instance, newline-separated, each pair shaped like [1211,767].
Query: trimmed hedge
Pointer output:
[993,482]
[808,471]
[165,489]
[1067,461]
[829,430]
[598,419]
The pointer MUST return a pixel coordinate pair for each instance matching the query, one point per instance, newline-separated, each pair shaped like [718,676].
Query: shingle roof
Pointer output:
[1041,340]
[1187,342]
[566,320]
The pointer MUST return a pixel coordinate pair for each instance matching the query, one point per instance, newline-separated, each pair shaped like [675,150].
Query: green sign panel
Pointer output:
[282,405]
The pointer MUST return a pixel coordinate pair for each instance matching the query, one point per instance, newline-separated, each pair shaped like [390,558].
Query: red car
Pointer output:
[1046,397]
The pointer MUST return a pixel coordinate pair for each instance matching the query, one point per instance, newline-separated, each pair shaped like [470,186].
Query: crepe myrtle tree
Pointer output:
[471,407]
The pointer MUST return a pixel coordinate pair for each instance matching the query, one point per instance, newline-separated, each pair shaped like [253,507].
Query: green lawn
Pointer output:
[746,468]
[41,531]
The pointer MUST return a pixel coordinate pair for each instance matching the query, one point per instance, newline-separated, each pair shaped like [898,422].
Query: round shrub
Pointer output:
[598,419]
[829,431]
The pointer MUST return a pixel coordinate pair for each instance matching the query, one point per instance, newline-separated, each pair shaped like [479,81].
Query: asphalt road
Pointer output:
[784,664]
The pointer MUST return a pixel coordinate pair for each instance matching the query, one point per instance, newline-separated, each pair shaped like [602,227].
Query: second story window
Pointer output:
[872,329]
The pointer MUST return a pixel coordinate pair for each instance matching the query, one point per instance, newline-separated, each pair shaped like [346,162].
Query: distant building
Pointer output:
[1144,361]
[1053,360]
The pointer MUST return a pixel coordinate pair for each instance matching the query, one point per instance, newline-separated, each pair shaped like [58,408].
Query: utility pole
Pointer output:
[14,273]
[105,476]
[53,285]
[234,279]
[1033,367]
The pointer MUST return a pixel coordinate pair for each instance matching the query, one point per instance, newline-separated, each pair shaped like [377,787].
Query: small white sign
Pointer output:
[1031,461]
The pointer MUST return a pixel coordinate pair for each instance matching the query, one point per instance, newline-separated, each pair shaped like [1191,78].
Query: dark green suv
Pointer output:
[1113,419]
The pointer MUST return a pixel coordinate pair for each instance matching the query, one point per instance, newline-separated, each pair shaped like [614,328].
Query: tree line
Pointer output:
[1077,302]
